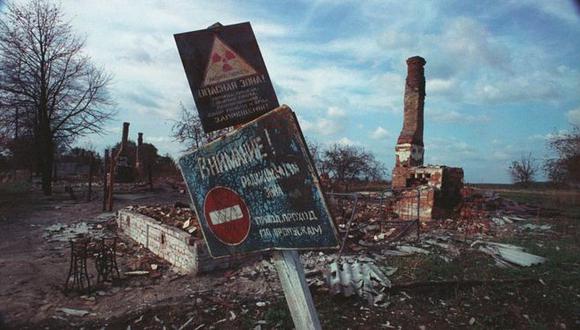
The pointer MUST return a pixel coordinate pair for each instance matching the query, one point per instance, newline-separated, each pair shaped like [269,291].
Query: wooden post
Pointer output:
[91,169]
[296,290]
[111,178]
[105,185]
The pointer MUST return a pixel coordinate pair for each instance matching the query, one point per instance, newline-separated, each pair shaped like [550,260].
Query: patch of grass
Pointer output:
[563,258]
[278,315]
[567,201]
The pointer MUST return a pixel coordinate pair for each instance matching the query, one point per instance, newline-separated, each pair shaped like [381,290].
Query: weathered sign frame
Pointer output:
[295,218]
[223,97]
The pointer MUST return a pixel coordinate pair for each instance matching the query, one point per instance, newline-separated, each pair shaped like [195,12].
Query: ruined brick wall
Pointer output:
[171,244]
[440,192]
[400,175]
[124,171]
[452,185]
[166,242]
[416,204]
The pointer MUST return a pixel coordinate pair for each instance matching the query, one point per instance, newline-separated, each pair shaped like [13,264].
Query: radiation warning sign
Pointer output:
[255,189]
[224,64]
[226,74]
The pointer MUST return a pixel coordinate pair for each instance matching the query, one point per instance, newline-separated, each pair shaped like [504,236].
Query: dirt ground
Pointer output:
[428,292]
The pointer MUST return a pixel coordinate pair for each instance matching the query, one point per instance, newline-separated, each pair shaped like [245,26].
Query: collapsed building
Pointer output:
[424,191]
[130,159]
[124,172]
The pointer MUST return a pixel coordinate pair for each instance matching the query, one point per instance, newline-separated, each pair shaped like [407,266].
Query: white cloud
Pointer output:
[380,133]
[336,112]
[561,10]
[346,142]
[269,29]
[440,86]
[450,151]
[454,117]
[501,155]
[574,116]
[550,136]
[321,126]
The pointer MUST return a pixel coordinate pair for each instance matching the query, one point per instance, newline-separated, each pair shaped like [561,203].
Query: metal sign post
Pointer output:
[298,297]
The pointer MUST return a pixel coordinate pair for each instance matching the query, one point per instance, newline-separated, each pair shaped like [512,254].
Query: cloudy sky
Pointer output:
[502,76]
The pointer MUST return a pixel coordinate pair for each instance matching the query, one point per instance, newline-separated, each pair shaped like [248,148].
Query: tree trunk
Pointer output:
[46,155]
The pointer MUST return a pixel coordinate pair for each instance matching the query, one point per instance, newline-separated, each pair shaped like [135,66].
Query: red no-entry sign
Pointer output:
[227,215]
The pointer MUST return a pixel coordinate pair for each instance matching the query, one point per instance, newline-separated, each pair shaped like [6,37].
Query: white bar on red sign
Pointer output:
[226,215]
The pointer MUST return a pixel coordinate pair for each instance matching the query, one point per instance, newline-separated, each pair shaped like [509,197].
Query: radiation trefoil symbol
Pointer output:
[225,64]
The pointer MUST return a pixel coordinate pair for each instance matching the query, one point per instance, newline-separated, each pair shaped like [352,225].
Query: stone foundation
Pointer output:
[186,254]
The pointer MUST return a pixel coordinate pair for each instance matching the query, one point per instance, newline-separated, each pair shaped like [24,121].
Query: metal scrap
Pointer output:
[530,226]
[412,249]
[507,255]
[73,312]
[362,278]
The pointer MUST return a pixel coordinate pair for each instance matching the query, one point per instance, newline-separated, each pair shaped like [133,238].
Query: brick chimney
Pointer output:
[409,150]
[125,136]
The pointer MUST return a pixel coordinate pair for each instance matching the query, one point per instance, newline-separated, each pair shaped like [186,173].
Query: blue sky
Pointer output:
[503,77]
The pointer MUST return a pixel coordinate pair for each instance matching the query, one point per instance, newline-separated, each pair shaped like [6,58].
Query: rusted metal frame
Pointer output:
[349,223]
[405,229]
[78,266]
[106,261]
[409,223]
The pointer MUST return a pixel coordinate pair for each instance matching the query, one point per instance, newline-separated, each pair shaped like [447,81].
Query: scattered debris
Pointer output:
[137,273]
[178,215]
[74,312]
[63,233]
[411,249]
[506,254]
[357,277]
[184,325]
[530,226]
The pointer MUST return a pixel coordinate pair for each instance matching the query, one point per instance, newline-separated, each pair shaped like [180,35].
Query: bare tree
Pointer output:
[187,129]
[345,163]
[566,167]
[48,87]
[315,150]
[524,170]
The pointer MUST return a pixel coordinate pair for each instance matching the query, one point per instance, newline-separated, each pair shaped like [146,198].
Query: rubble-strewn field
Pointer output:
[511,261]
